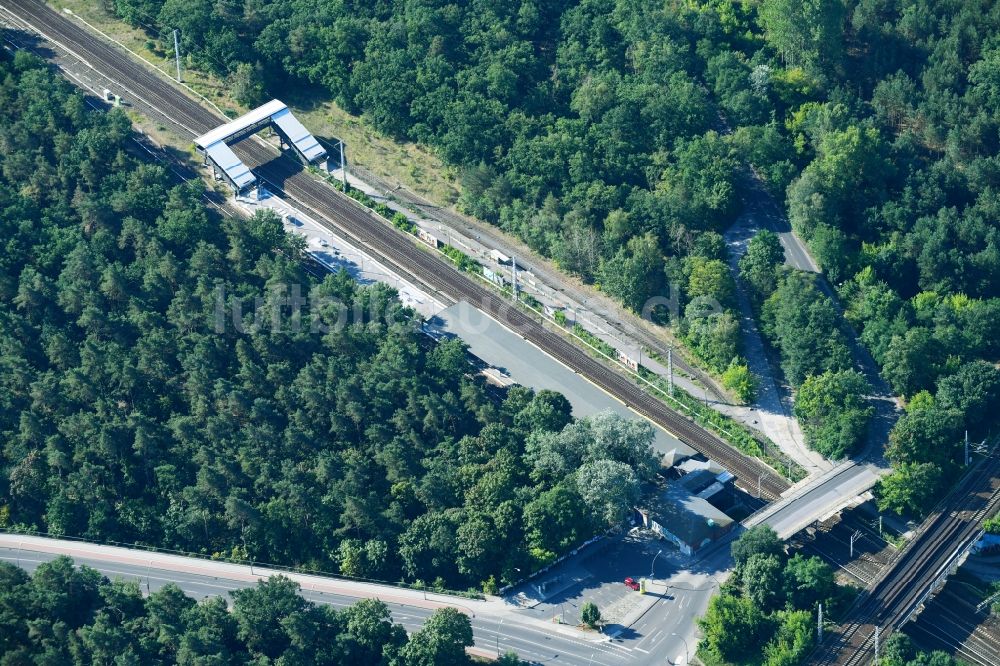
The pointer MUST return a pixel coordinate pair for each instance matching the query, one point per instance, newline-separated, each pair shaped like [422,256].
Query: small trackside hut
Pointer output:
[215,145]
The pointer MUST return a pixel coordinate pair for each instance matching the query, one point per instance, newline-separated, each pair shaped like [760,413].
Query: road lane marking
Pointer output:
[24,559]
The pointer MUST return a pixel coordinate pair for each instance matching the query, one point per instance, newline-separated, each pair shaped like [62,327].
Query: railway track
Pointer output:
[951,623]
[283,174]
[901,586]
[460,222]
[832,544]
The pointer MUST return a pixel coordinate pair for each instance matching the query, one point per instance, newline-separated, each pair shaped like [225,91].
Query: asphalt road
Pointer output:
[528,641]
[770,215]
[648,639]
[530,366]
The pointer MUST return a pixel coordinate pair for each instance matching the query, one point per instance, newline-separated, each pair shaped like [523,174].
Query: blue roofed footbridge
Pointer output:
[214,145]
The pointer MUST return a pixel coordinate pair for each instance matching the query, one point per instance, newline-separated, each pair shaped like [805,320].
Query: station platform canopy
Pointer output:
[214,145]
[237,173]
[304,143]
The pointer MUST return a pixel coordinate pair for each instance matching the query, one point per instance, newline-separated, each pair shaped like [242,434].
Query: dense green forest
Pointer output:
[580,128]
[612,137]
[133,407]
[66,615]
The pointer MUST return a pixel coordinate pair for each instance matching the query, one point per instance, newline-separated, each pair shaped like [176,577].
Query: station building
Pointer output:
[681,511]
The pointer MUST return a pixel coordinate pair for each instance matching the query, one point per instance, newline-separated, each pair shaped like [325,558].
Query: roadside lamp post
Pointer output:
[687,652]
[651,564]
[499,624]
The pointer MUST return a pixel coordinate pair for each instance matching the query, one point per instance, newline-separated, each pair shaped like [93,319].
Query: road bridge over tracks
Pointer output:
[822,497]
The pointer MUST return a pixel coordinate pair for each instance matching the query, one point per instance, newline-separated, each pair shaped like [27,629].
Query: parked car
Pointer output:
[631,584]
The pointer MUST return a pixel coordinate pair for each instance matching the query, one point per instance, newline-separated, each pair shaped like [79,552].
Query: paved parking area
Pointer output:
[598,575]
[641,627]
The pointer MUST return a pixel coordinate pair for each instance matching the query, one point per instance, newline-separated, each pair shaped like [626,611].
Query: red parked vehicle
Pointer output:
[632,584]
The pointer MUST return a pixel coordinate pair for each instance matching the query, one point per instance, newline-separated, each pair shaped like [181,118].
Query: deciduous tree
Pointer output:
[609,489]
[834,412]
[441,641]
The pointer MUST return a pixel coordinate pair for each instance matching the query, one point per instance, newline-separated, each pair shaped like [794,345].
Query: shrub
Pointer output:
[589,614]
[738,379]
